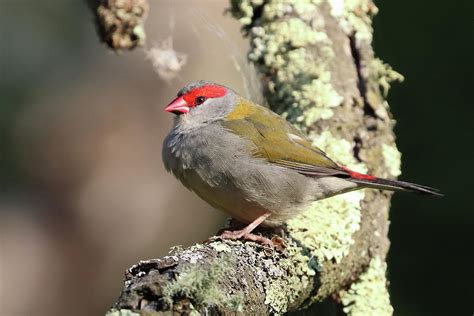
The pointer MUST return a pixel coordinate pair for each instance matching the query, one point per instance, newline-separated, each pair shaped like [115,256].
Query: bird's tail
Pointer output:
[395,185]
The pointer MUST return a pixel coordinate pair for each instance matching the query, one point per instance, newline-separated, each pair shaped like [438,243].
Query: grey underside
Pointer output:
[219,167]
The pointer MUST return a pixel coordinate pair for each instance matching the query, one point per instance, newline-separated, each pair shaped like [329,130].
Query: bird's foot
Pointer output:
[243,234]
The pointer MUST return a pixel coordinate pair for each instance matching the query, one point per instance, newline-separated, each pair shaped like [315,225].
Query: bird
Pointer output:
[246,160]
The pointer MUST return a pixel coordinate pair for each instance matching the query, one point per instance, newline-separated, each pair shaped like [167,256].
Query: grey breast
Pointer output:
[219,167]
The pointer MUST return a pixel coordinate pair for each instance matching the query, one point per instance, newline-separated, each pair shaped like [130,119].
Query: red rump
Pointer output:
[209,91]
[357,175]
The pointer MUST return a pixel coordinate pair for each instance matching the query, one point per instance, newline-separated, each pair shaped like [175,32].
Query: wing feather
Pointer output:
[279,142]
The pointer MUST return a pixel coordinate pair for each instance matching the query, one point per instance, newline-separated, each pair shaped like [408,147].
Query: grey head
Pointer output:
[202,102]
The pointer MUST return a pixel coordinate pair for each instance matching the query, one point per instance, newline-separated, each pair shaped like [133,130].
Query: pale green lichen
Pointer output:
[293,49]
[334,220]
[382,74]
[321,93]
[368,296]
[243,10]
[298,276]
[220,247]
[122,312]
[392,159]
[355,17]
[202,286]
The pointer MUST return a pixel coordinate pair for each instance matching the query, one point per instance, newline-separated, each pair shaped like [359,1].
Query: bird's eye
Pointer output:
[200,100]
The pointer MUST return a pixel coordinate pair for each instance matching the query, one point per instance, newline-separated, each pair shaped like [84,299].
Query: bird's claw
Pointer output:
[242,234]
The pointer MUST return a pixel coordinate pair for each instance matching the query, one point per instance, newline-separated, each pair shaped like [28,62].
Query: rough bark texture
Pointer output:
[120,23]
[319,71]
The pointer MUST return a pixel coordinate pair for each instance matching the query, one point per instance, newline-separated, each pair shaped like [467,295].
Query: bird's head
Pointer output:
[203,100]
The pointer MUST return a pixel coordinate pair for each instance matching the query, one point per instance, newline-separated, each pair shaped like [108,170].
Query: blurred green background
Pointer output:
[83,191]
[432,240]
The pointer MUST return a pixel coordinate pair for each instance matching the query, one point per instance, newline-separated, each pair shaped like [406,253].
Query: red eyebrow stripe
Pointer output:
[209,91]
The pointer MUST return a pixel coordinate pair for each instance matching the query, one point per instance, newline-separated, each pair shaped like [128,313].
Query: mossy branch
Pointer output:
[120,23]
[319,71]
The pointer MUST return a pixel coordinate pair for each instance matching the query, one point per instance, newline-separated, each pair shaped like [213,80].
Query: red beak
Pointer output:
[178,106]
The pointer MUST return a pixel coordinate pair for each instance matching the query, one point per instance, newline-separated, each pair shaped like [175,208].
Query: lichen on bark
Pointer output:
[368,296]
[291,48]
[120,23]
[327,227]
[219,277]
[319,71]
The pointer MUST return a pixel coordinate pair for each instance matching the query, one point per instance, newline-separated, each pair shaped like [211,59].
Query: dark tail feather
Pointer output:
[395,185]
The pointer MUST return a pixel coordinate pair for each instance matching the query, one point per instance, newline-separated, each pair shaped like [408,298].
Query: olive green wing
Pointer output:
[279,142]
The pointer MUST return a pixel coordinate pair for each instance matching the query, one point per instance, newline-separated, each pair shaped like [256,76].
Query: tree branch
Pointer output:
[120,23]
[319,71]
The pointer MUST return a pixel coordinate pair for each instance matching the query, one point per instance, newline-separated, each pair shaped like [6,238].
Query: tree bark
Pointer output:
[120,23]
[318,70]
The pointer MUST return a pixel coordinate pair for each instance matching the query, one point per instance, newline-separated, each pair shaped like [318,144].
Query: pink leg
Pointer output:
[246,232]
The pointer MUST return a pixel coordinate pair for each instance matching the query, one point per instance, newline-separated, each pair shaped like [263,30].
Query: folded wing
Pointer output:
[279,142]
